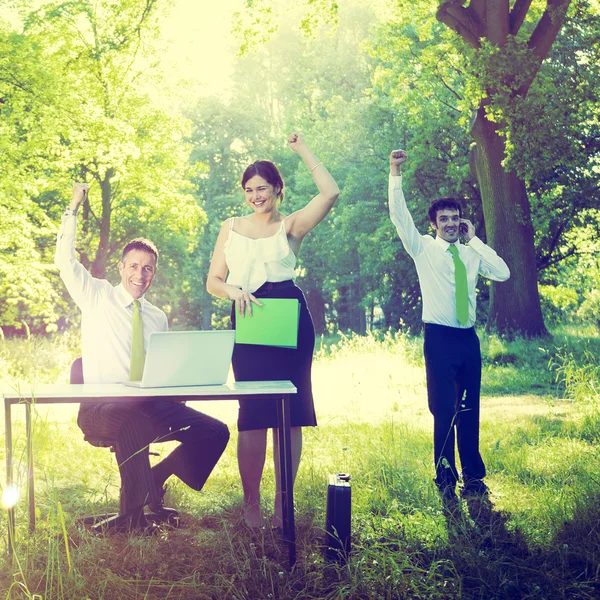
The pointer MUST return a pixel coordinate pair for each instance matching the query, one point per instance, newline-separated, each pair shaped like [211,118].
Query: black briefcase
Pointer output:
[339,512]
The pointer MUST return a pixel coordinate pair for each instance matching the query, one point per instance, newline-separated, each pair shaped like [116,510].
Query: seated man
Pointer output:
[116,325]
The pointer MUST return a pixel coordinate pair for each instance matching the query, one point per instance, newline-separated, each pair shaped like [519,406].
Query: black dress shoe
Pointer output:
[446,488]
[474,488]
[159,513]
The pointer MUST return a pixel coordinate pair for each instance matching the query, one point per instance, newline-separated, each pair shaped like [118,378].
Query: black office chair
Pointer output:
[167,515]
[77,378]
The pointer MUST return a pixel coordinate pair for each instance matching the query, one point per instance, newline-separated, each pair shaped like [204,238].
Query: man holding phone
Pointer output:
[448,271]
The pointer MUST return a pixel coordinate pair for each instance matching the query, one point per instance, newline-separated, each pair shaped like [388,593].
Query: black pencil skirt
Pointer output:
[268,363]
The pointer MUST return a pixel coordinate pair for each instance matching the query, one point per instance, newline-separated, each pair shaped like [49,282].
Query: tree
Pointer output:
[507,54]
[555,143]
[110,131]
[505,44]
[29,298]
[222,134]
[77,106]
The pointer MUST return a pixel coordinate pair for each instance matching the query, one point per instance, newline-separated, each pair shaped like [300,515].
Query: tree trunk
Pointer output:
[351,315]
[514,304]
[100,264]
[316,306]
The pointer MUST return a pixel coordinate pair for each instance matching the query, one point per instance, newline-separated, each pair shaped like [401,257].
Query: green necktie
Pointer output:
[462,290]
[136,362]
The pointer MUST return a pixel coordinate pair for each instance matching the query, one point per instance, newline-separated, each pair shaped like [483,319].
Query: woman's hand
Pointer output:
[295,141]
[242,300]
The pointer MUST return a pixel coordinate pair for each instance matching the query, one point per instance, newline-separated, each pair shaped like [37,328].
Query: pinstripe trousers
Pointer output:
[134,426]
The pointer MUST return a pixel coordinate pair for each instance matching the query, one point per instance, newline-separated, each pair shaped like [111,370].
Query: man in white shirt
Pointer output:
[451,345]
[107,332]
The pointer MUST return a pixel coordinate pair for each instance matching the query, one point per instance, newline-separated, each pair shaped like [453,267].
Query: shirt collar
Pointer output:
[444,245]
[126,299]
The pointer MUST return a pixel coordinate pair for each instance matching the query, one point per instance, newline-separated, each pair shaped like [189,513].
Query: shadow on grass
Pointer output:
[485,557]
[488,556]
[492,558]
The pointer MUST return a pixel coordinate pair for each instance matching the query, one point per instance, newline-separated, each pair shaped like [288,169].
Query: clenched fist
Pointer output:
[80,192]
[295,140]
[397,157]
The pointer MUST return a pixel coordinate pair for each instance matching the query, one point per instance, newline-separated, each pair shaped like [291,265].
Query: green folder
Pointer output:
[275,323]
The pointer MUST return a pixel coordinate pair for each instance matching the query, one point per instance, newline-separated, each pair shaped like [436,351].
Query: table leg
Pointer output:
[286,474]
[9,473]
[30,482]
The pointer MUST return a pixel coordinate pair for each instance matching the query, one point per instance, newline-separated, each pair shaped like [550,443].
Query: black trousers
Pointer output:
[453,366]
[134,426]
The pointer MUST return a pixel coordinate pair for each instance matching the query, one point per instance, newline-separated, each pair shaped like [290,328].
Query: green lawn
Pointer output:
[539,537]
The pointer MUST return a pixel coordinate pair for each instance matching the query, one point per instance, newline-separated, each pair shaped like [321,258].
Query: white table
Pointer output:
[29,395]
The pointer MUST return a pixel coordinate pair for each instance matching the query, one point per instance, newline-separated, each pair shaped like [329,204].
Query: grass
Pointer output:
[539,538]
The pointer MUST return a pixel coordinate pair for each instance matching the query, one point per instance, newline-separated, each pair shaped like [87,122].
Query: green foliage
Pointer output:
[78,87]
[590,307]
[498,73]
[559,303]
[579,375]
[259,20]
[77,106]
[27,287]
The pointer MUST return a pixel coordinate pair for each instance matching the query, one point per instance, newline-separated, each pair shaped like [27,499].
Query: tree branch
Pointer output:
[550,262]
[12,79]
[518,14]
[478,7]
[462,20]
[150,4]
[554,243]
[549,25]
[543,36]
[448,105]
[450,89]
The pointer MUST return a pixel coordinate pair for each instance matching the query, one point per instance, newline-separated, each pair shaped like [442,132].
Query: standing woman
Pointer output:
[259,252]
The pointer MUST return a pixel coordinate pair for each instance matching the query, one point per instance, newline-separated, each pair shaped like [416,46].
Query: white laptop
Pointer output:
[186,358]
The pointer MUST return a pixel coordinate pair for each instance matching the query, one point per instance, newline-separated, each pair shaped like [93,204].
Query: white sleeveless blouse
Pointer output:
[252,262]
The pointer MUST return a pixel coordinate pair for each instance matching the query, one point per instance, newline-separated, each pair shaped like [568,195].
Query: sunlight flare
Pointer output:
[10,496]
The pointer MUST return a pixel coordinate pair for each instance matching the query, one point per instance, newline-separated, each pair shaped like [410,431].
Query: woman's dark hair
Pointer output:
[268,171]
[443,204]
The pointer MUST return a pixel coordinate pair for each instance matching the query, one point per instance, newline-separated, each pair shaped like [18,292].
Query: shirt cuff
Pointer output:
[476,244]
[68,225]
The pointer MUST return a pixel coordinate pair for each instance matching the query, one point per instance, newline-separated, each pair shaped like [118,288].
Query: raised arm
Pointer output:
[217,275]
[82,287]
[410,237]
[298,224]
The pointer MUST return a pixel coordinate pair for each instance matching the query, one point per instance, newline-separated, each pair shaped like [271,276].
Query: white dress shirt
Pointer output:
[435,266]
[106,313]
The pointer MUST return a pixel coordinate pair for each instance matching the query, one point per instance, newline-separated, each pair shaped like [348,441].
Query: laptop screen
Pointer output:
[186,358]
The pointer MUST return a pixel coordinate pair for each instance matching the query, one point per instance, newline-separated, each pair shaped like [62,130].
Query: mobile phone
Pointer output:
[462,228]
